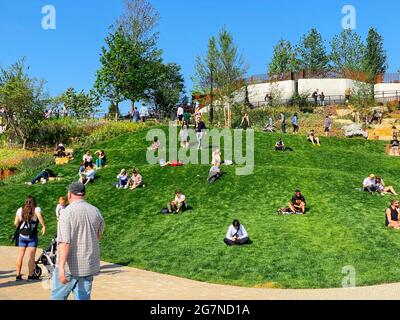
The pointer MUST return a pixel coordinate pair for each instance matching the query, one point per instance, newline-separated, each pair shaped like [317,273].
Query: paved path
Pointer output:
[118,282]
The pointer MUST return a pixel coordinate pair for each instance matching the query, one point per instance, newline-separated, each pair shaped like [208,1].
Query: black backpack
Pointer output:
[28,229]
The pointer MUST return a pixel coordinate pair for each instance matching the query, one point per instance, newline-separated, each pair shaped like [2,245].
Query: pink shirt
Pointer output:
[137,179]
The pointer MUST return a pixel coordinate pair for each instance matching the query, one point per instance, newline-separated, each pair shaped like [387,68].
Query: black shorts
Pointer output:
[180,117]
[327,129]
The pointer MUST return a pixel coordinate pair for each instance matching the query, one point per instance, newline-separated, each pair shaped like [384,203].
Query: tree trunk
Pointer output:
[116,111]
[24,144]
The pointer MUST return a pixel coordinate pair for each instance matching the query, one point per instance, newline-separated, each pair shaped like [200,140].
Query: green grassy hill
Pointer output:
[343,226]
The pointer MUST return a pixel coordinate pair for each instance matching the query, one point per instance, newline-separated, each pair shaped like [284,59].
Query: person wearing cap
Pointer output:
[297,203]
[79,231]
[368,184]
[60,151]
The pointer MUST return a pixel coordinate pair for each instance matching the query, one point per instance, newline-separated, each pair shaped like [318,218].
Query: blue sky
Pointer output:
[69,55]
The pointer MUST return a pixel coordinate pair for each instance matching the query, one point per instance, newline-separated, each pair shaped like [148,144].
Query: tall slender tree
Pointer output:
[311,53]
[230,73]
[375,60]
[348,52]
[206,69]
[283,59]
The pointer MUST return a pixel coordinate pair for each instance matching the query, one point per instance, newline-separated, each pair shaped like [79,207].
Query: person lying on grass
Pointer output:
[215,173]
[155,145]
[173,163]
[44,176]
[297,203]
[368,184]
[122,180]
[313,138]
[135,181]
[178,204]
[87,176]
[381,188]
[280,146]
[392,215]
[236,235]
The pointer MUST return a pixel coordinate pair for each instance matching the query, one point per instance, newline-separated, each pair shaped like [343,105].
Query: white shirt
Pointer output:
[87,158]
[368,182]
[180,199]
[180,111]
[35,218]
[242,233]
[90,174]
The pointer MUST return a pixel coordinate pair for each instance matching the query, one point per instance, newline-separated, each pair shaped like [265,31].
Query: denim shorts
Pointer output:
[27,242]
[81,287]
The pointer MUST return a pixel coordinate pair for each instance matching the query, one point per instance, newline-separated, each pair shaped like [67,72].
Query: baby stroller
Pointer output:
[47,259]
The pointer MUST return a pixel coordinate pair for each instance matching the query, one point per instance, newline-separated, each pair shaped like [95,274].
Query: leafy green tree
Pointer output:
[375,60]
[284,59]
[168,89]
[206,72]
[81,104]
[348,52]
[230,72]
[110,79]
[311,53]
[23,99]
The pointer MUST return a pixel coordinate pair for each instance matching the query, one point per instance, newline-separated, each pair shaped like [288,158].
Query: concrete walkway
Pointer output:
[117,282]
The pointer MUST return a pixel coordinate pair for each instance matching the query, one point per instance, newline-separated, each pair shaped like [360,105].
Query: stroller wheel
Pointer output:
[38,271]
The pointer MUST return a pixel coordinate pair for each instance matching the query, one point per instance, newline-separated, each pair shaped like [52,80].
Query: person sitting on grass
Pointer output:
[368,184]
[280,146]
[87,176]
[216,157]
[102,159]
[236,235]
[178,204]
[60,151]
[392,215]
[394,146]
[313,138]
[215,173]
[155,145]
[297,203]
[43,176]
[135,181]
[87,158]
[381,188]
[122,180]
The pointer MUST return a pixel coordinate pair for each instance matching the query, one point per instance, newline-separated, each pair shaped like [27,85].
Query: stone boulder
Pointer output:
[354,130]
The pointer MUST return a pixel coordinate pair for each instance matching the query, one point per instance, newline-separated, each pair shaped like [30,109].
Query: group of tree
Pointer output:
[220,73]
[132,67]
[348,54]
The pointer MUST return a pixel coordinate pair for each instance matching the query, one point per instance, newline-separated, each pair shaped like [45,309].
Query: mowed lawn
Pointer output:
[343,227]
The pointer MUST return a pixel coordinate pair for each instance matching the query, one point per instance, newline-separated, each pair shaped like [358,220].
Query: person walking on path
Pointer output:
[26,235]
[79,231]
[327,125]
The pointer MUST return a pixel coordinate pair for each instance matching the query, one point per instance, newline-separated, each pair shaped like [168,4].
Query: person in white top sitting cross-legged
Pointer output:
[178,204]
[237,234]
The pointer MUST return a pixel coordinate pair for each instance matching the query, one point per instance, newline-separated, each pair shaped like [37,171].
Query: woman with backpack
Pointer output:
[27,221]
